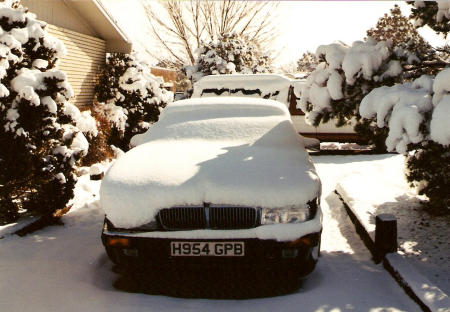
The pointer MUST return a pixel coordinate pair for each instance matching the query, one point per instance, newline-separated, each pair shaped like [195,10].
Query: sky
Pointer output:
[313,23]
[306,24]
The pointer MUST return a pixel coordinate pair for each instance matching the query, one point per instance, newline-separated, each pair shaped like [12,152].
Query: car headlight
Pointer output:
[150,226]
[292,214]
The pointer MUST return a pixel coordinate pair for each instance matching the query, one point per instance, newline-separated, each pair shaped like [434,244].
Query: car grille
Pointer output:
[214,218]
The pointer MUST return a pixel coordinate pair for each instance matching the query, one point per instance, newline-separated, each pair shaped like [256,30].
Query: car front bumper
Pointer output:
[282,247]
[143,253]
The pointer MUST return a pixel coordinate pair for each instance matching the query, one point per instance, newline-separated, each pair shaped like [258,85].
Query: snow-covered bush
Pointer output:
[396,53]
[343,77]
[39,142]
[230,54]
[130,96]
[417,116]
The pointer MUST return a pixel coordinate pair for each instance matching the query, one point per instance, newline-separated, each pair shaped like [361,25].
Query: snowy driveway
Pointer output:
[66,268]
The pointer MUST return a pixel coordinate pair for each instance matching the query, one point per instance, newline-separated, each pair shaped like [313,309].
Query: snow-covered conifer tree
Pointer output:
[343,77]
[130,96]
[307,63]
[347,74]
[395,27]
[411,49]
[39,142]
[230,54]
[417,114]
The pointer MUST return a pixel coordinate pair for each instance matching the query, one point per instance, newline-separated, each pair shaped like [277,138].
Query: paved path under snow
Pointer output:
[66,269]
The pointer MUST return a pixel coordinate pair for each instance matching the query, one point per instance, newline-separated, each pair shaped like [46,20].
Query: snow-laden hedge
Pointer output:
[130,96]
[40,143]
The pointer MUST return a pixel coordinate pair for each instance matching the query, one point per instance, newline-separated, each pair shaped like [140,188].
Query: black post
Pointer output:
[385,235]
[96,177]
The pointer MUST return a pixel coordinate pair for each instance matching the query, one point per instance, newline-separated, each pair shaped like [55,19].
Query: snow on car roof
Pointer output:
[240,119]
[237,151]
[267,84]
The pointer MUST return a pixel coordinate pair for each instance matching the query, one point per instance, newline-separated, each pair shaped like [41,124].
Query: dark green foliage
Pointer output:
[139,108]
[108,80]
[345,110]
[367,128]
[427,14]
[28,163]
[138,111]
[415,56]
[32,175]
[406,42]
[397,28]
[429,164]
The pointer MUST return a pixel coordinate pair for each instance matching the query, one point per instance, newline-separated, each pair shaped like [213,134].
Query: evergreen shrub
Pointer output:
[130,97]
[39,143]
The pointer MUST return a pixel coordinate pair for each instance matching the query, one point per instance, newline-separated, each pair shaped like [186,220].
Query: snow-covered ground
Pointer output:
[381,188]
[65,267]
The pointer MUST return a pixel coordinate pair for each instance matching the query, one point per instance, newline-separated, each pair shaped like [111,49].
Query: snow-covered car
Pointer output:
[216,182]
[276,87]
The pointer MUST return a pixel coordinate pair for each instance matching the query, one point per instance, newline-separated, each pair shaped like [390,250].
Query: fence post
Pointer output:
[385,235]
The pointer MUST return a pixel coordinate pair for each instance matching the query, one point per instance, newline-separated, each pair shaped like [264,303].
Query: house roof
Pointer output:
[101,23]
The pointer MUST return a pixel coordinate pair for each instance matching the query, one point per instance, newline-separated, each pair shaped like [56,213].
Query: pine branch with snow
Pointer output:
[435,14]
[416,113]
[343,77]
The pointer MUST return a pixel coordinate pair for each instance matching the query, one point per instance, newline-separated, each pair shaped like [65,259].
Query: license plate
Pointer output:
[198,249]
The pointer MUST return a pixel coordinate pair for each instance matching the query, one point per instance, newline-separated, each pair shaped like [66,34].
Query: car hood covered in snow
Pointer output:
[236,151]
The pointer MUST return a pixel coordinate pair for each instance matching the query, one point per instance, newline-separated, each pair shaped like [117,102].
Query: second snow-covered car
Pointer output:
[215,183]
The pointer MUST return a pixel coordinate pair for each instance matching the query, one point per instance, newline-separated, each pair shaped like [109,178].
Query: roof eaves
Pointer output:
[102,24]
[111,19]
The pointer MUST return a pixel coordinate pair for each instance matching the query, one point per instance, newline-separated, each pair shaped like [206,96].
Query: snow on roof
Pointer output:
[238,151]
[267,84]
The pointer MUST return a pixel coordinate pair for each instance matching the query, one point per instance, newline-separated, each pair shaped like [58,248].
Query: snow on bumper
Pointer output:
[277,232]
